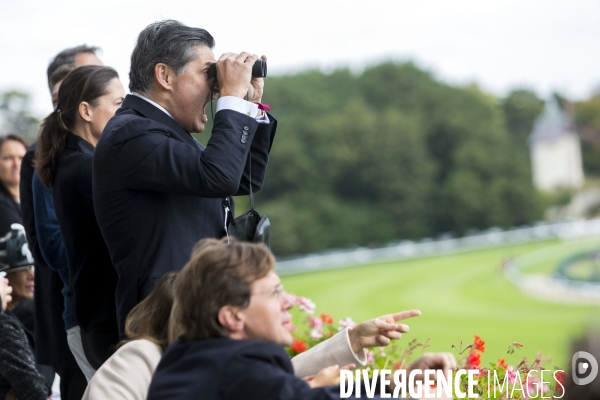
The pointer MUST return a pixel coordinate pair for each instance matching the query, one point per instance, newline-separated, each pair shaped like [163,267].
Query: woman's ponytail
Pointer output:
[85,83]
[50,144]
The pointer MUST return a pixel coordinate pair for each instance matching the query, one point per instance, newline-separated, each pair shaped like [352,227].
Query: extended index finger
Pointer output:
[405,314]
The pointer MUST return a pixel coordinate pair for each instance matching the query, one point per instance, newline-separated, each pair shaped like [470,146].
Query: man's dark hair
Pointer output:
[67,56]
[169,42]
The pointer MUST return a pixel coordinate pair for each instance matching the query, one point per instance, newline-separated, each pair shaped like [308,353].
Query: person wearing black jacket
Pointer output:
[19,377]
[157,190]
[12,150]
[87,99]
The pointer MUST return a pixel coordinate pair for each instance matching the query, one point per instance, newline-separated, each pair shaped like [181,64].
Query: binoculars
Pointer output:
[259,70]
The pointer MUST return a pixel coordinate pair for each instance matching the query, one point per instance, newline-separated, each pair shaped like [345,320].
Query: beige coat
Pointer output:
[127,374]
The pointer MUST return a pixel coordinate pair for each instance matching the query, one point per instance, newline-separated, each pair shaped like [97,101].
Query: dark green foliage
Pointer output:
[587,118]
[521,108]
[392,154]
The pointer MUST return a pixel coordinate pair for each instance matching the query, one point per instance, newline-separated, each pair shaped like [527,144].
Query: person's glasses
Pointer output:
[278,292]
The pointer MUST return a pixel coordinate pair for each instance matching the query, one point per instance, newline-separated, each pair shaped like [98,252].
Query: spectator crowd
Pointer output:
[116,218]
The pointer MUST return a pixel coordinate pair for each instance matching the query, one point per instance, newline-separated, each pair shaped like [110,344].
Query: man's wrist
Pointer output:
[241,93]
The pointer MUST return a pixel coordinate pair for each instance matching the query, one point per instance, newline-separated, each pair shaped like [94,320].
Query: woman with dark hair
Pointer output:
[88,97]
[12,149]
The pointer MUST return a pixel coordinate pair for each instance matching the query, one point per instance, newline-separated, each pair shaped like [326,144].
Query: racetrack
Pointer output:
[460,295]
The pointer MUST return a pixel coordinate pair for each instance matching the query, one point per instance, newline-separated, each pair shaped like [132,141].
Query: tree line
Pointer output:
[388,154]
[393,153]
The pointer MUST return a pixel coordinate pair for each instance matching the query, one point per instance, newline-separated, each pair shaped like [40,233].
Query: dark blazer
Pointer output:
[223,369]
[158,191]
[50,337]
[91,274]
[10,213]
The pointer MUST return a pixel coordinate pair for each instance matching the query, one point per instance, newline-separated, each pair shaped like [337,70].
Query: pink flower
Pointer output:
[370,356]
[346,323]
[315,322]
[534,388]
[511,374]
[306,305]
[315,334]
[381,352]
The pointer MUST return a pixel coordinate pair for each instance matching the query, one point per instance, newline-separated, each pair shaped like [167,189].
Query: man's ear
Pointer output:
[85,111]
[164,75]
[229,317]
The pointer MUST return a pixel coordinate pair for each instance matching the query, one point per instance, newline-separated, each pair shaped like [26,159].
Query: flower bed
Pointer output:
[521,381]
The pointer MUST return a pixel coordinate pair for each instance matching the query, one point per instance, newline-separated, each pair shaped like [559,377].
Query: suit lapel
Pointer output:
[149,111]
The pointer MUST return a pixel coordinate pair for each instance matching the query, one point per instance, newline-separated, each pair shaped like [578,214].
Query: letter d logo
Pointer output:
[581,368]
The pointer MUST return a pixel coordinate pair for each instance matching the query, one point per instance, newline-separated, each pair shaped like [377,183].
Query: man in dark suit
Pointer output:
[157,190]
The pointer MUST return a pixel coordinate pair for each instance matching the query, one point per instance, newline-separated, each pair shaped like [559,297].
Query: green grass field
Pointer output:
[460,296]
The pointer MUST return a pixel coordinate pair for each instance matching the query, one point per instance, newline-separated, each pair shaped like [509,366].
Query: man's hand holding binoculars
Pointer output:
[235,78]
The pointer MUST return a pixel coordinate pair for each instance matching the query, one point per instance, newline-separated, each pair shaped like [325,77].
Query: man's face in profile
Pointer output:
[82,59]
[190,91]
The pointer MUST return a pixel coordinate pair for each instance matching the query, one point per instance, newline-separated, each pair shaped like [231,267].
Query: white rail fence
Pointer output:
[492,237]
[551,287]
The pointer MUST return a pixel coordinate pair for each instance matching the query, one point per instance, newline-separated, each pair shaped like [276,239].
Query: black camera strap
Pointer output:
[229,219]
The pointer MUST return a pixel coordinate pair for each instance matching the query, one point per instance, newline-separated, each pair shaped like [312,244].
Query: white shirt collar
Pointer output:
[153,103]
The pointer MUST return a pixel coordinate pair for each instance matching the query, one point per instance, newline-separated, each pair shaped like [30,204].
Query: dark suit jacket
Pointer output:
[50,337]
[10,213]
[223,369]
[158,191]
[92,276]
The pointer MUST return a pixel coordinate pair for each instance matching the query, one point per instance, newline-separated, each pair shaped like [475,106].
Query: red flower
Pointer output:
[298,346]
[562,377]
[479,344]
[327,319]
[474,359]
[502,363]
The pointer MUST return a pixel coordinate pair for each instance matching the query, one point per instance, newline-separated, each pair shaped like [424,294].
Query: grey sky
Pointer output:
[539,44]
